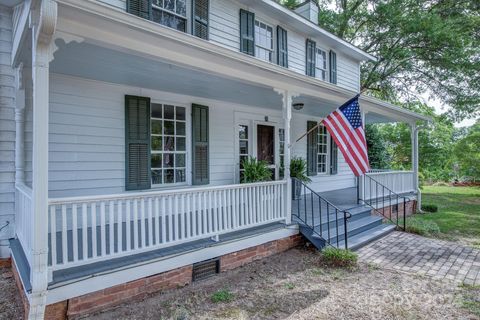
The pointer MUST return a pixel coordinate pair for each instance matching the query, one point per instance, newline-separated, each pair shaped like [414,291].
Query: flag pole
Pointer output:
[319,123]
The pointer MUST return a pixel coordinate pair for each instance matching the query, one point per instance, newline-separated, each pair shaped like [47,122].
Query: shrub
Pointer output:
[298,169]
[339,257]
[422,227]
[429,208]
[255,171]
[222,296]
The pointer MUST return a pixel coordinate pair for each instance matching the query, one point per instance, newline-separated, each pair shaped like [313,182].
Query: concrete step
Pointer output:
[361,239]
[353,227]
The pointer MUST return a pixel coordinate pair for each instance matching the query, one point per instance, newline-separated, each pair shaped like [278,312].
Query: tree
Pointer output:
[467,153]
[421,45]
[378,154]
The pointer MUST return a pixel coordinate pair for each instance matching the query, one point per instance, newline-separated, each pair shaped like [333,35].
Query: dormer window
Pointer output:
[263,41]
[321,65]
[170,13]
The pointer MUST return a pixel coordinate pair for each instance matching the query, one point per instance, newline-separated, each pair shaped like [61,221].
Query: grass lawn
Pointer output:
[458,216]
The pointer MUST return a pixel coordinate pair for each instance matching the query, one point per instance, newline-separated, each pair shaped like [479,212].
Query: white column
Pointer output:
[20,128]
[416,185]
[42,34]
[287,117]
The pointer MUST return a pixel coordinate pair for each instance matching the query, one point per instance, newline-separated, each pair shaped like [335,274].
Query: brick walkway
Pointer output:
[435,258]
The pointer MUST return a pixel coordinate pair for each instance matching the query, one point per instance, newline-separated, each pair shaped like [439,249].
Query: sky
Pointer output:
[441,108]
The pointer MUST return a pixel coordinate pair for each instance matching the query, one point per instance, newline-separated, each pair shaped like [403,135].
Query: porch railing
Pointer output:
[83,230]
[400,182]
[24,218]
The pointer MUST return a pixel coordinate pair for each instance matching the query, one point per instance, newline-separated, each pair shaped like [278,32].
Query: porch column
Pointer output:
[287,117]
[43,29]
[414,137]
[20,128]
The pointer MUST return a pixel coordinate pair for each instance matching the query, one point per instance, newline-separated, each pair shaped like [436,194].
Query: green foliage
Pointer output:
[289,286]
[470,298]
[334,257]
[422,227]
[377,148]
[429,208]
[298,169]
[421,46]
[255,171]
[467,153]
[291,4]
[221,296]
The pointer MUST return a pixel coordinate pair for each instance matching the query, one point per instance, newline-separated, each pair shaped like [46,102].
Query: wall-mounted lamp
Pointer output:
[266,118]
[298,106]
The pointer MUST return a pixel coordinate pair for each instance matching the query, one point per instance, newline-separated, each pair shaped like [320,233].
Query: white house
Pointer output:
[122,127]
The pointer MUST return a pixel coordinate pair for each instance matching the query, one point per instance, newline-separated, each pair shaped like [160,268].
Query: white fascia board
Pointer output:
[374,105]
[293,19]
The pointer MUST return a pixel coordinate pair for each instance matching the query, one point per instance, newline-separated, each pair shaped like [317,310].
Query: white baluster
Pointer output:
[53,234]
[74,232]
[64,235]
[128,224]
[84,231]
[120,241]
[135,224]
[143,235]
[150,221]
[103,238]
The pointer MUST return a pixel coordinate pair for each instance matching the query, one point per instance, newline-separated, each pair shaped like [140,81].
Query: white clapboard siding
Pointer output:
[348,72]
[7,131]
[83,230]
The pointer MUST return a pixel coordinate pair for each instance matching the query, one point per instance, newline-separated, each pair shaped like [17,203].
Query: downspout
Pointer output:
[416,184]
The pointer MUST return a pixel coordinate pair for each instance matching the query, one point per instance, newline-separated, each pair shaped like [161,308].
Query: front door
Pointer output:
[266,146]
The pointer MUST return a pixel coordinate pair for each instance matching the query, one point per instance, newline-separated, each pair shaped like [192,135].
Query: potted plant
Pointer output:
[255,171]
[298,170]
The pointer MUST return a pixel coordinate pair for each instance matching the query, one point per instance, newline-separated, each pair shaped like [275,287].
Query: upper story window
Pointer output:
[321,64]
[263,41]
[170,13]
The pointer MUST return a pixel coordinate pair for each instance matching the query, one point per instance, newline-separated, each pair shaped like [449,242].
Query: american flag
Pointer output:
[346,128]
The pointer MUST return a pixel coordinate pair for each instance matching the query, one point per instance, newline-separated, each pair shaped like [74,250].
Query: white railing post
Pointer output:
[42,35]
[287,117]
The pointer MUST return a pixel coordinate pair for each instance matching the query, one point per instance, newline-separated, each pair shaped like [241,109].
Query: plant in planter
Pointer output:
[255,171]
[298,170]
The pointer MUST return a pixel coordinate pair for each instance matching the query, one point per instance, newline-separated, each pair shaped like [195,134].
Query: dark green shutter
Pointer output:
[137,143]
[247,32]
[282,47]
[141,8]
[311,48]
[200,18]
[312,147]
[333,157]
[200,152]
[333,67]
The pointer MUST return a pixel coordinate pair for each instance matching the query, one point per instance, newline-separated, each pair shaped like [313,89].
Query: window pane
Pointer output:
[180,113]
[181,144]
[156,143]
[169,127]
[156,110]
[156,160]
[156,176]
[169,112]
[169,176]
[243,147]
[180,160]
[169,144]
[243,132]
[182,7]
[157,126]
[169,4]
[180,175]
[168,160]
[180,128]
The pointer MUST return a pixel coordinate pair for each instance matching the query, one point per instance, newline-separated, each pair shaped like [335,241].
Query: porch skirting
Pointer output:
[140,288]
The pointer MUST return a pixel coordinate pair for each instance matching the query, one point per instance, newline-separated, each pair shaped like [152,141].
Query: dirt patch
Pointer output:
[295,285]
[10,302]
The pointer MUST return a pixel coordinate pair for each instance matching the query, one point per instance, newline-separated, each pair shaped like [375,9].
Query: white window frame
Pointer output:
[187,137]
[272,40]
[327,153]
[319,70]
[249,143]
[174,13]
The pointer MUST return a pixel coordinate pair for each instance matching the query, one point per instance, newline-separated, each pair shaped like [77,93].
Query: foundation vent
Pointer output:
[205,269]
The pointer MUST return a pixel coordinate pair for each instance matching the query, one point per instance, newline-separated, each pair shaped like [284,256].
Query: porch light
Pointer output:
[298,106]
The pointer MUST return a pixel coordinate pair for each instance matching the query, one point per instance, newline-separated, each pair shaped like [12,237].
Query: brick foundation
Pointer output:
[390,211]
[21,291]
[139,289]
[5,263]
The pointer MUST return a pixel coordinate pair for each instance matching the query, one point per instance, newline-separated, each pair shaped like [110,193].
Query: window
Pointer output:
[322,149]
[170,13]
[168,144]
[321,65]
[333,67]
[200,18]
[281,151]
[263,41]
[243,145]
[282,47]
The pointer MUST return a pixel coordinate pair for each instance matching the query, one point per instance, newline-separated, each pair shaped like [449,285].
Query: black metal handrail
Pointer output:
[386,195]
[315,213]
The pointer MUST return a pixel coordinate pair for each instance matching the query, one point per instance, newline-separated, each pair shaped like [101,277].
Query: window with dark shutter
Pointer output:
[312,145]
[333,67]
[333,156]
[282,47]
[200,141]
[137,143]
[311,48]
[141,8]
[200,18]
[247,32]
